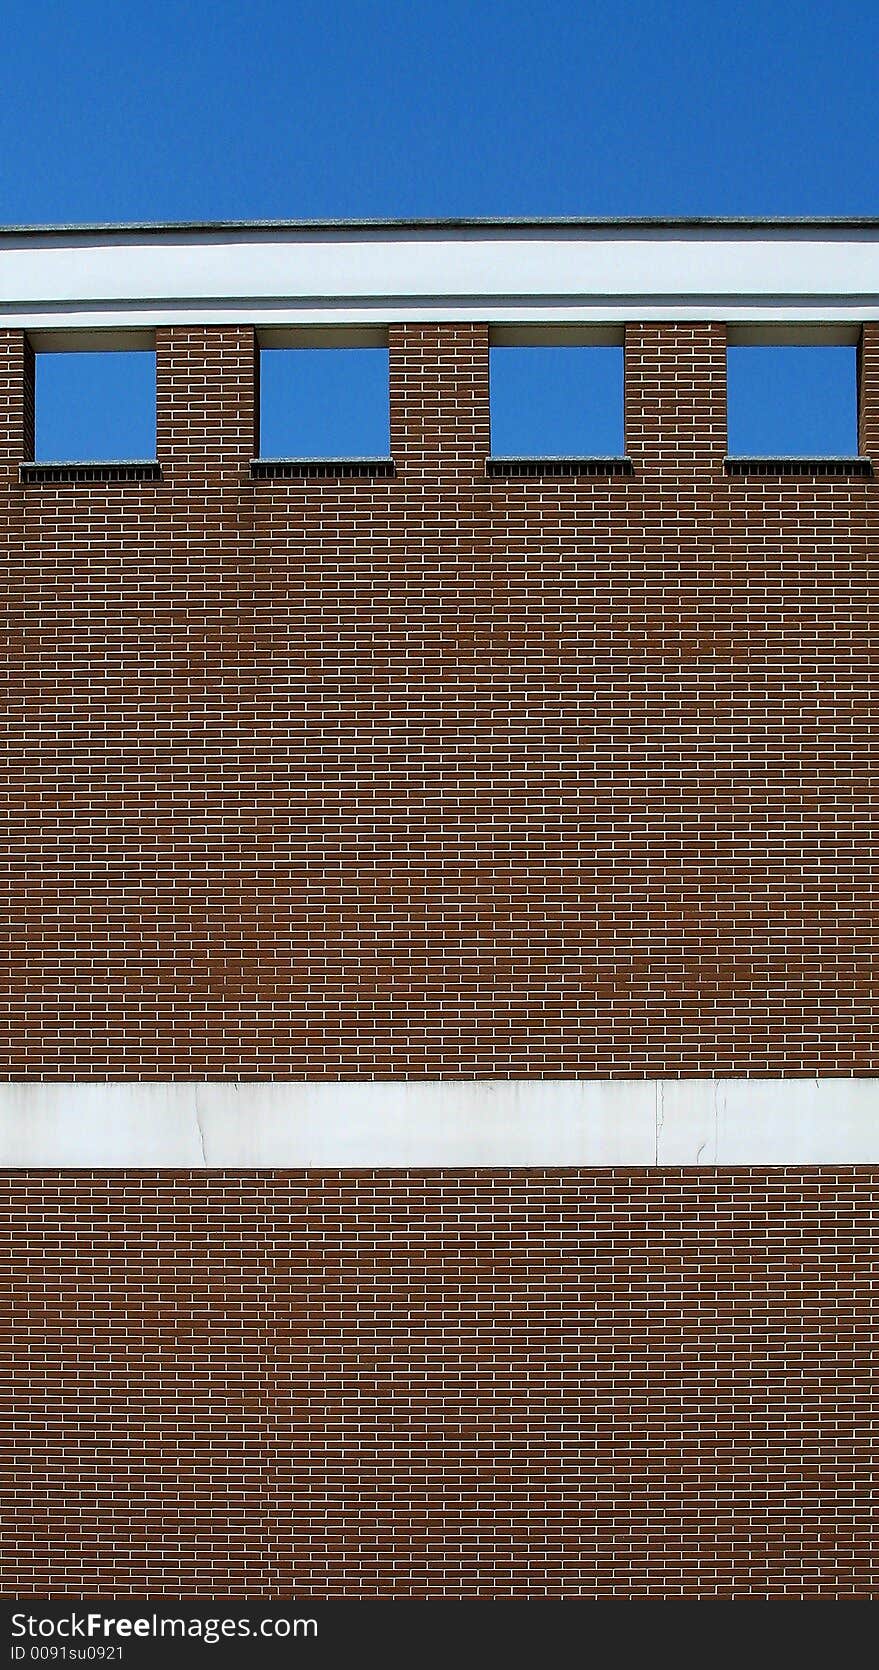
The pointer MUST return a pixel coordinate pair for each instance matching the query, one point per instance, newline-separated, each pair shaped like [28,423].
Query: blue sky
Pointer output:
[215,110]
[260,110]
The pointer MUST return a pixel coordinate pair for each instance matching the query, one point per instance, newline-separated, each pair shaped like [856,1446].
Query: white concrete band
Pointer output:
[453,1123]
[303,275]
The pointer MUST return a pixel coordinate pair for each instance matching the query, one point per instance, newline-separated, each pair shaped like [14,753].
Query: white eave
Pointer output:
[376,273]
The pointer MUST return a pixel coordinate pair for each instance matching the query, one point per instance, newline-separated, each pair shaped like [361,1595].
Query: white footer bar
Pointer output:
[453,1122]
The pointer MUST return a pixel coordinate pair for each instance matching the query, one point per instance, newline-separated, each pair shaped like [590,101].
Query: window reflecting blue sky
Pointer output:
[95,406]
[792,401]
[324,403]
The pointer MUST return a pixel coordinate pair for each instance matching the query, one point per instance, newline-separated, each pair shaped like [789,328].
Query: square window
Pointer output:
[557,401]
[324,402]
[792,401]
[95,407]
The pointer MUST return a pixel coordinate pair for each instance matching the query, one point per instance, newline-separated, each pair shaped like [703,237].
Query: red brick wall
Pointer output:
[438,775]
[614,1383]
[442,774]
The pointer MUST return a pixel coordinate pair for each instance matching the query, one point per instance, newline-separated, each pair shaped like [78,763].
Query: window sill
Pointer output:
[507,467]
[132,469]
[298,469]
[798,466]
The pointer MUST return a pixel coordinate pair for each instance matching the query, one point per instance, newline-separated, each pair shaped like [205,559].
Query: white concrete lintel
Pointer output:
[452,1123]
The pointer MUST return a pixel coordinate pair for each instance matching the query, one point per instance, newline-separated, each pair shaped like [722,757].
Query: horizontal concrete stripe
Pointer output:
[354,276]
[490,1122]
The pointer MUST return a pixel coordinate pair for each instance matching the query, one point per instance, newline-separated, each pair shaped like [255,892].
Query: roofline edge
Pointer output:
[623,223]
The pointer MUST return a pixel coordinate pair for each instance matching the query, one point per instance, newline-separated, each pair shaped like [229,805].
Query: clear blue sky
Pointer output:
[222,110]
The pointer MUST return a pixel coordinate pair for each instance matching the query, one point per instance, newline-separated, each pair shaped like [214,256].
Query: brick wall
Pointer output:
[616,1384]
[430,776]
[438,775]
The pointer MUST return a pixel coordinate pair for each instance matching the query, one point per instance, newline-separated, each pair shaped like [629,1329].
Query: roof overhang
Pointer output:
[513,273]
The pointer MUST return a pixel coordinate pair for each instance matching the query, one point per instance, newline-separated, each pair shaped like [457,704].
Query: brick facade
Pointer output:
[608,1384]
[439,775]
